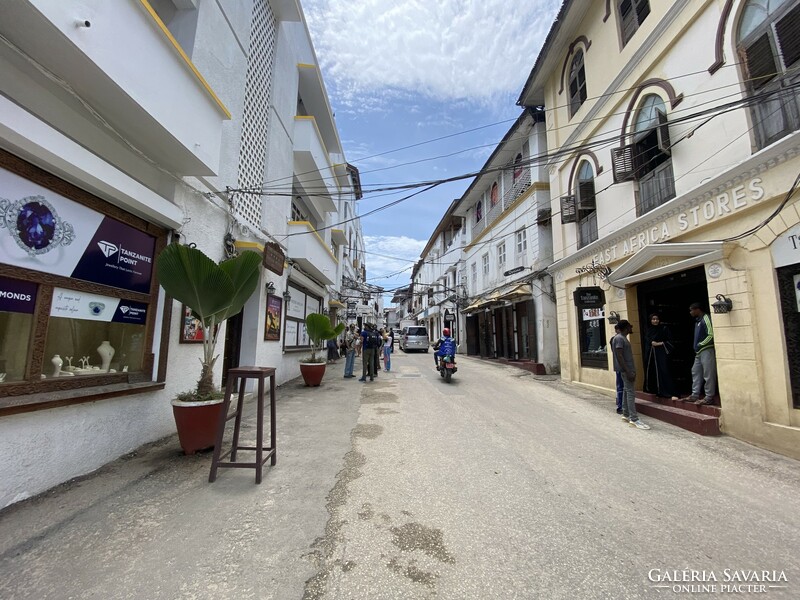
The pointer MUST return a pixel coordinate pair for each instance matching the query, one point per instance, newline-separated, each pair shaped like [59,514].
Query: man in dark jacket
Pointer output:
[704,370]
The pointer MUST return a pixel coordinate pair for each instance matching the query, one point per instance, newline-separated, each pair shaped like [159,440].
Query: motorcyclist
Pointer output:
[445,346]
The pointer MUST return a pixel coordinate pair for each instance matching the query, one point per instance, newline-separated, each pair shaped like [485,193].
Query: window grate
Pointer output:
[255,117]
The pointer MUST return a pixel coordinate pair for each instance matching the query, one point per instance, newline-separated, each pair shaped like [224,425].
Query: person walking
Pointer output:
[388,340]
[359,341]
[350,356]
[623,363]
[658,346]
[704,369]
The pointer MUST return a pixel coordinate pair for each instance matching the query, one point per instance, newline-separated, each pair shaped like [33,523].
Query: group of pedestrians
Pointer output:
[373,345]
[658,347]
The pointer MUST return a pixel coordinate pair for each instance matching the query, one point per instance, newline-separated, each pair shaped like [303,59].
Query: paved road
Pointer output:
[495,486]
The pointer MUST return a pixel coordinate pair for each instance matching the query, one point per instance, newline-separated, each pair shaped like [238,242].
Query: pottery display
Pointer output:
[57,363]
[106,352]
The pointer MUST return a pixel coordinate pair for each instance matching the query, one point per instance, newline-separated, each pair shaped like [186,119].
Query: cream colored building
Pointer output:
[673,144]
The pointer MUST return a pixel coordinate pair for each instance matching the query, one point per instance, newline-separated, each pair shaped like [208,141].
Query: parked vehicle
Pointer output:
[415,338]
[447,366]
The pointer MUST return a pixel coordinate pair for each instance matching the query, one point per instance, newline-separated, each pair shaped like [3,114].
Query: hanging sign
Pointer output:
[448,316]
[274,258]
[589,297]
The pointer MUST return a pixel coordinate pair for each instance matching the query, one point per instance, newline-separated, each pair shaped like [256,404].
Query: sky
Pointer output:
[403,73]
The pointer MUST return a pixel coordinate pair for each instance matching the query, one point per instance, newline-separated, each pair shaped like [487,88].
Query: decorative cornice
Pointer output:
[719,53]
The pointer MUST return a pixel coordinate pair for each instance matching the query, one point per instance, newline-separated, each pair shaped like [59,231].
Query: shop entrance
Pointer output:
[670,297]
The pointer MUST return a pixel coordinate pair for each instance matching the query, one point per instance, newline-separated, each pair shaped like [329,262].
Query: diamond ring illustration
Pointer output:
[35,225]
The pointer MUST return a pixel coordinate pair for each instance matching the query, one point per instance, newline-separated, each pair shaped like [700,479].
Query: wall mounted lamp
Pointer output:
[613,317]
[722,305]
[270,287]
[287,297]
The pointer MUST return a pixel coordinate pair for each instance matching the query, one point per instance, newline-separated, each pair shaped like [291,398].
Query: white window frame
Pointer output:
[522,241]
[501,255]
[485,262]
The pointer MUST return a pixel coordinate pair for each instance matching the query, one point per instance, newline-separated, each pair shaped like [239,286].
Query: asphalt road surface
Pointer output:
[498,485]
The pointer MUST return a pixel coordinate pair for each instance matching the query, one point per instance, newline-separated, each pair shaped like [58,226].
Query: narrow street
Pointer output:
[495,486]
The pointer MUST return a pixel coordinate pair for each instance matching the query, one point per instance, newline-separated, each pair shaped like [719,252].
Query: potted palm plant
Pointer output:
[214,292]
[319,328]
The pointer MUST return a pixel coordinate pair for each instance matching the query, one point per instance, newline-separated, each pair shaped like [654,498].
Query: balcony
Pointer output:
[311,252]
[312,167]
[126,66]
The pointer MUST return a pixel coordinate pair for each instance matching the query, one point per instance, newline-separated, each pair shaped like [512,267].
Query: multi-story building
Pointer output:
[673,160]
[507,248]
[437,286]
[125,126]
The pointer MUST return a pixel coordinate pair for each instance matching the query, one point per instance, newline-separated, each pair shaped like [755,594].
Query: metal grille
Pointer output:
[255,118]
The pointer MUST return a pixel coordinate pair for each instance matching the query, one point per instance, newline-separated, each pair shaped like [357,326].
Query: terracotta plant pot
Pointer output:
[312,373]
[197,423]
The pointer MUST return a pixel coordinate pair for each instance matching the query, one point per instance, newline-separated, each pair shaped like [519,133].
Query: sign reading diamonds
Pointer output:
[44,231]
[17,296]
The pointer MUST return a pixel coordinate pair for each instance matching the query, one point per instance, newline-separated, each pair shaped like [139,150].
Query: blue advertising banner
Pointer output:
[44,231]
[17,296]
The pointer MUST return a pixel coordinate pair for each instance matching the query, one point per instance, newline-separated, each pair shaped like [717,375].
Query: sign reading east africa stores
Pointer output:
[723,204]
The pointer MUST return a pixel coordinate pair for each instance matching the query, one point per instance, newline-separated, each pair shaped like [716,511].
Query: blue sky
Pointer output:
[402,73]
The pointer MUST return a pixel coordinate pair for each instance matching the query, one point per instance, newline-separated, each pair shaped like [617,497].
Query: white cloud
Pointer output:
[397,252]
[378,50]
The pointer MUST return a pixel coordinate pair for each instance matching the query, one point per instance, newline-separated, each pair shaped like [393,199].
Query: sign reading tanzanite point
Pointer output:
[118,255]
[17,296]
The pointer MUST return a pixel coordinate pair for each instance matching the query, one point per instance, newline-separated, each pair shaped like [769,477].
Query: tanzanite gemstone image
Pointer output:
[36,225]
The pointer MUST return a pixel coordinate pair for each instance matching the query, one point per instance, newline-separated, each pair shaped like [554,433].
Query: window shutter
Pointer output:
[622,163]
[586,197]
[569,210]
[760,61]
[788,30]
[642,10]
[662,133]
[543,216]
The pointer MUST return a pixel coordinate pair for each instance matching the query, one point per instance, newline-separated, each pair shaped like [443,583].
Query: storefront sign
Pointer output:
[720,206]
[513,271]
[590,314]
[589,297]
[449,316]
[44,231]
[786,248]
[17,296]
[72,304]
[352,315]
[274,258]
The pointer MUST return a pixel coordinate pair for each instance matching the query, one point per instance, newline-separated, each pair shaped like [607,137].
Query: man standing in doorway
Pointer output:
[704,369]
[623,363]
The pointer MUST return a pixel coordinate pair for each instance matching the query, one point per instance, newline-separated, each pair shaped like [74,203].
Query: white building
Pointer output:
[507,247]
[123,126]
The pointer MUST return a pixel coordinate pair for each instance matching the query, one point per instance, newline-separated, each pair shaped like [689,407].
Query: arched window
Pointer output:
[586,205]
[479,211]
[517,167]
[494,195]
[652,159]
[577,83]
[768,42]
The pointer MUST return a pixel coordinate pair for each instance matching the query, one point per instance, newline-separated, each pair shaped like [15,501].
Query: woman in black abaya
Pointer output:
[658,345]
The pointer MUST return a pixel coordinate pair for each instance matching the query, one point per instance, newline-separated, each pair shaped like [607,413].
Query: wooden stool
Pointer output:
[242,374]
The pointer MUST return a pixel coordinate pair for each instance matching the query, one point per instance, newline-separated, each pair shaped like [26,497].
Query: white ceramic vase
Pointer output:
[57,363]
[106,353]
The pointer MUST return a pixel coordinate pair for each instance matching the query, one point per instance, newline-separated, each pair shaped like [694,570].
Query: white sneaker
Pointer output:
[640,425]
[626,419]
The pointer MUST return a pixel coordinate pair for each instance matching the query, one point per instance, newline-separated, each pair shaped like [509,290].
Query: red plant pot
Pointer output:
[312,373]
[197,423]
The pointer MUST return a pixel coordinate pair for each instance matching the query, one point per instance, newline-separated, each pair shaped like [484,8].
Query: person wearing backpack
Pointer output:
[370,342]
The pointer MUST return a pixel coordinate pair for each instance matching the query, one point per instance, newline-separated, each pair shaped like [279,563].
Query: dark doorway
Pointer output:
[233,343]
[473,345]
[789,286]
[670,297]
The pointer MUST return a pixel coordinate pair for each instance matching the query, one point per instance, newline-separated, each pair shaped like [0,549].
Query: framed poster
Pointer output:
[191,327]
[272,326]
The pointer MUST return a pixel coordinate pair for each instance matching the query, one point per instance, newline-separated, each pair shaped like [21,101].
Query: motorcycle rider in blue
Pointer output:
[447,346]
